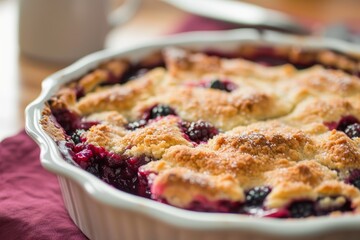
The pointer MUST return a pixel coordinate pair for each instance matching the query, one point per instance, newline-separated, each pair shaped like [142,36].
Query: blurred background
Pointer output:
[21,73]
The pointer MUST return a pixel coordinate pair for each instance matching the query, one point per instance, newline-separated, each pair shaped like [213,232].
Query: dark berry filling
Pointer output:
[354,178]
[350,125]
[71,121]
[119,171]
[320,207]
[226,85]
[257,195]
[218,84]
[254,205]
[326,205]
[254,201]
[199,131]
[138,73]
[301,209]
[345,122]
[276,213]
[353,130]
[111,79]
[76,136]
[79,91]
[136,124]
[222,206]
[145,181]
[131,73]
[66,119]
[267,56]
[160,110]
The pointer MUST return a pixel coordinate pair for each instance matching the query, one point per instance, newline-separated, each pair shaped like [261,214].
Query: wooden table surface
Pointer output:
[21,76]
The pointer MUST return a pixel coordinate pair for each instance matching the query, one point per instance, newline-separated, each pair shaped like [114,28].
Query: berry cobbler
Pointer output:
[266,132]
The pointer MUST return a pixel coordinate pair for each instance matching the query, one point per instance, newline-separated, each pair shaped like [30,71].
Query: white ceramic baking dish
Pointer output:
[102,212]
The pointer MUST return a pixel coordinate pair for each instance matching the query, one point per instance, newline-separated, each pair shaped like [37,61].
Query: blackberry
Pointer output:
[226,86]
[345,122]
[257,195]
[160,110]
[76,136]
[94,169]
[199,131]
[356,183]
[135,125]
[353,130]
[301,209]
[218,85]
[354,178]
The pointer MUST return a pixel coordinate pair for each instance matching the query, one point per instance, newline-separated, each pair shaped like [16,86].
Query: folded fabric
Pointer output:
[31,205]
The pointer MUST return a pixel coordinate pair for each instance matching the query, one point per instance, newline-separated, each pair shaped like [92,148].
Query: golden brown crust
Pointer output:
[340,152]
[65,99]
[111,69]
[49,125]
[320,81]
[117,67]
[153,140]
[181,186]
[91,80]
[273,127]
[221,109]
[120,98]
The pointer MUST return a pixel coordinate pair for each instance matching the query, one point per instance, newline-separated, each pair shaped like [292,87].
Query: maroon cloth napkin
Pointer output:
[31,205]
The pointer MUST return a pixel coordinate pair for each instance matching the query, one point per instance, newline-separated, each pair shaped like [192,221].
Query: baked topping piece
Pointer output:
[214,134]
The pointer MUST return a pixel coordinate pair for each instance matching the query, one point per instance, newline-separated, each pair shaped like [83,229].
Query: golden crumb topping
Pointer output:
[274,127]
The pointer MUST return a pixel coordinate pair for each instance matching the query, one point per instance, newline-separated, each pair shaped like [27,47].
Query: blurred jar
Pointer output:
[65,30]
